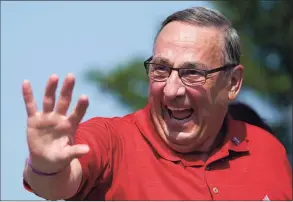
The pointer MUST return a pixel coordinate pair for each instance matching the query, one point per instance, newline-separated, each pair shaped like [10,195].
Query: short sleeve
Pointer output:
[96,165]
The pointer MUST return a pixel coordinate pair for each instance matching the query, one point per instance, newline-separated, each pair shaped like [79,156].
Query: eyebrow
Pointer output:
[161,60]
[192,65]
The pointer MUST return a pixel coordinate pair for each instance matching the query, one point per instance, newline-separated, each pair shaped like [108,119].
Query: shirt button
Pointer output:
[215,190]
[208,167]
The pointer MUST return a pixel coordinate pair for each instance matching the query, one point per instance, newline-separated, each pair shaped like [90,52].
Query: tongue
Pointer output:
[182,114]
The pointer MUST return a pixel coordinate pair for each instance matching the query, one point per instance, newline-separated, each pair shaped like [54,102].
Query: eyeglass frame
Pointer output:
[205,73]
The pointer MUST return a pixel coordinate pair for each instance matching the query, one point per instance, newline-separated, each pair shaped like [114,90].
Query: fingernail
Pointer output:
[83,96]
[54,76]
[70,75]
[26,81]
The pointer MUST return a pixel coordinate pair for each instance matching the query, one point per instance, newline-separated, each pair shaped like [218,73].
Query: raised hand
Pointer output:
[50,132]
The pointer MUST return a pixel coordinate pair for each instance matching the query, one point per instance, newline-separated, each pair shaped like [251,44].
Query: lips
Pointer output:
[180,113]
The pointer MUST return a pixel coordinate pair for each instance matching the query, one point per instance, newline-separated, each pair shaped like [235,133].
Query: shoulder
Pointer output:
[129,121]
[106,125]
[269,158]
[263,142]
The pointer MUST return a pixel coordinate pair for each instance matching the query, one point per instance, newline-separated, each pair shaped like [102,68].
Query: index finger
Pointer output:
[30,104]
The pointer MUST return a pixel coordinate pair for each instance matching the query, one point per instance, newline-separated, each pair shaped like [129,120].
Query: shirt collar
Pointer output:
[145,124]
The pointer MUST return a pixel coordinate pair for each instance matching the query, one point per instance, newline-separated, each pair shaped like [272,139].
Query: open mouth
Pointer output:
[180,113]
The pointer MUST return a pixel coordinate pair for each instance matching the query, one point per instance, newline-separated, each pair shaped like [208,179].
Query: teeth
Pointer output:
[172,113]
[178,109]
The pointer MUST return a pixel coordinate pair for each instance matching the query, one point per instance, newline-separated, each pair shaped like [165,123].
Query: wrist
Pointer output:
[40,172]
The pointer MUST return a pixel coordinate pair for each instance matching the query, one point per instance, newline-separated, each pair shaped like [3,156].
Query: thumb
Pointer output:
[77,151]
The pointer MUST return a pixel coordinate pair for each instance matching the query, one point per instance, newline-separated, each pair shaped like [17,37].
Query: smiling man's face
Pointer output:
[188,118]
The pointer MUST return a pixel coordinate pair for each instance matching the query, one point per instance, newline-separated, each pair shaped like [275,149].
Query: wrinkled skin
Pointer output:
[50,131]
[177,43]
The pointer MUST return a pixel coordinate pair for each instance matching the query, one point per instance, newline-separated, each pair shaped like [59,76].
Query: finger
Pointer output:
[65,95]
[30,104]
[77,114]
[50,95]
[76,151]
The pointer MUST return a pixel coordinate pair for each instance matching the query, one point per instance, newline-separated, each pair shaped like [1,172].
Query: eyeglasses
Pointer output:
[188,75]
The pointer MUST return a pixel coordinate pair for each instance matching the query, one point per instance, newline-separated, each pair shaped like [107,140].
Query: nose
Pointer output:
[174,87]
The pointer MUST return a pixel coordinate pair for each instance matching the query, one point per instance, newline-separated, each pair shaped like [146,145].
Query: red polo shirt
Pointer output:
[129,161]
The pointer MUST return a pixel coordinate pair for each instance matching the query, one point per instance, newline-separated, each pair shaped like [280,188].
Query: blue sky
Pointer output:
[41,38]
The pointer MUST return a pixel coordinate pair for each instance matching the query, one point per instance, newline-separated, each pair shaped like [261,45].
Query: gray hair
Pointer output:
[207,17]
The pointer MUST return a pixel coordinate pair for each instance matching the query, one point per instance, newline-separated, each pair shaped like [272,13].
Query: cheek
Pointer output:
[201,100]
[198,96]
[156,90]
[211,93]
[209,101]
[155,98]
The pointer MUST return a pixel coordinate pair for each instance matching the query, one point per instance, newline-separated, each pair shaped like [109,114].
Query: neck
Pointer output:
[207,146]
[219,139]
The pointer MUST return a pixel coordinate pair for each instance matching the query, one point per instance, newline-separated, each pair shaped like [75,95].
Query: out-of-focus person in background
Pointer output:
[180,146]
[243,112]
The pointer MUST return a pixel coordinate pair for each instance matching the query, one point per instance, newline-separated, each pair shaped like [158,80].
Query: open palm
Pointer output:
[50,133]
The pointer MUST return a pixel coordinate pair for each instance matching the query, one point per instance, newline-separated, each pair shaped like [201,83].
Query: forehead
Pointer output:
[181,42]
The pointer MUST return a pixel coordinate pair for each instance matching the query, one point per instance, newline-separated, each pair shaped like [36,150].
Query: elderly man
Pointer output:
[181,146]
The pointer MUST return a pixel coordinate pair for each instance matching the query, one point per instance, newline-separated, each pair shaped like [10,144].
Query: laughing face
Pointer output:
[188,118]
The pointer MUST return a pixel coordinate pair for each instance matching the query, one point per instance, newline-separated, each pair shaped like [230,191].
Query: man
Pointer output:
[181,146]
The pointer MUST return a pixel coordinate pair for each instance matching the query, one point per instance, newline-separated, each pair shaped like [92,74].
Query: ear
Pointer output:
[236,78]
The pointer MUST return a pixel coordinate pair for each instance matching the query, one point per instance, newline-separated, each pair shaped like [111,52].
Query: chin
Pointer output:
[184,140]
[180,136]
[181,148]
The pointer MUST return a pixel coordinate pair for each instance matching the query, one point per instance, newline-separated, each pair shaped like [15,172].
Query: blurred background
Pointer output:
[105,43]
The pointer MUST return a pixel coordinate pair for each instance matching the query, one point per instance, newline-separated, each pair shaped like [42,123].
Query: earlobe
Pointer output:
[232,94]
[235,82]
